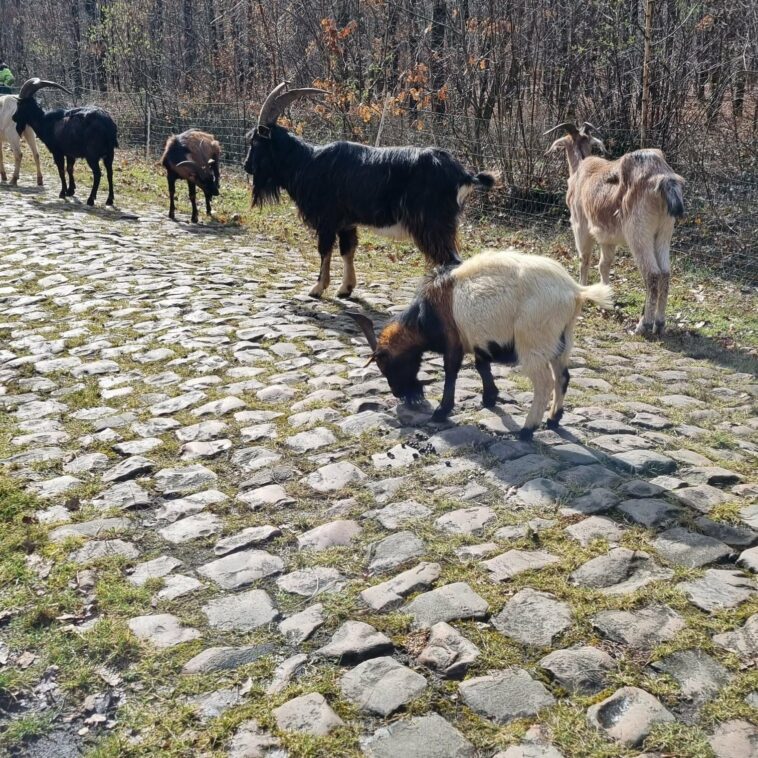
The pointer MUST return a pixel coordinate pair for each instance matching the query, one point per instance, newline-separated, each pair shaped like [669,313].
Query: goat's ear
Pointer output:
[599,145]
[367,325]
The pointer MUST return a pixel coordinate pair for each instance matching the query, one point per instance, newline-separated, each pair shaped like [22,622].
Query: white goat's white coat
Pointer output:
[9,134]
[464,191]
[395,232]
[528,303]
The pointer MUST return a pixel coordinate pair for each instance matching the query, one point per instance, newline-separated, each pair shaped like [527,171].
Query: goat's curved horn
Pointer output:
[30,86]
[569,126]
[587,128]
[367,325]
[189,164]
[278,100]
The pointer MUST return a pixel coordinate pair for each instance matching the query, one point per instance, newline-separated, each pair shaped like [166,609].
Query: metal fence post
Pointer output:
[147,128]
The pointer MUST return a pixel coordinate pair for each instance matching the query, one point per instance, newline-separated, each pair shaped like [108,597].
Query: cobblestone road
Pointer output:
[306,558]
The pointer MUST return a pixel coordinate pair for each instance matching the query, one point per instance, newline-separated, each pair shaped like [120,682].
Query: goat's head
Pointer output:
[397,352]
[205,175]
[27,107]
[577,142]
[261,160]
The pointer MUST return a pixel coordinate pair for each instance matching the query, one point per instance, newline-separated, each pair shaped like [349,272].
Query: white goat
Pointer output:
[9,134]
[631,201]
[502,306]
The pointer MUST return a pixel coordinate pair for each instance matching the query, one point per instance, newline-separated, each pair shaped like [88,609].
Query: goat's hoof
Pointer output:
[109,201]
[70,192]
[62,195]
[526,434]
[344,294]
[643,329]
[659,327]
[489,401]
[440,415]
[14,181]
[555,419]
[90,202]
[316,293]
[40,183]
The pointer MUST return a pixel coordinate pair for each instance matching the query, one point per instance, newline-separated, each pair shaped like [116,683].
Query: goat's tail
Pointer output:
[486,180]
[600,294]
[670,187]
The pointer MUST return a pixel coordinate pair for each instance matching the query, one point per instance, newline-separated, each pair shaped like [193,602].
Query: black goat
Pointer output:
[194,156]
[88,132]
[401,192]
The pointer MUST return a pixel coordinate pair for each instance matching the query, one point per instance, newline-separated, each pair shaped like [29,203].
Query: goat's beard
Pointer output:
[265,193]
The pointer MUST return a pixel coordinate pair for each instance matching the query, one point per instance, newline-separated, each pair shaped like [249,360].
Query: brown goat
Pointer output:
[633,201]
[193,156]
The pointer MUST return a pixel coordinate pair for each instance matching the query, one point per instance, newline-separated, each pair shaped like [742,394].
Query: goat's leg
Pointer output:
[607,254]
[207,204]
[32,142]
[662,256]
[16,148]
[193,200]
[94,164]
[59,164]
[108,162]
[561,377]
[3,175]
[650,273]
[348,239]
[584,244]
[542,383]
[326,242]
[489,388]
[171,179]
[452,360]
[70,170]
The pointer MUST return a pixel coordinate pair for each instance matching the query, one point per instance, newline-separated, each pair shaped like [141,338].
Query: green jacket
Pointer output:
[6,77]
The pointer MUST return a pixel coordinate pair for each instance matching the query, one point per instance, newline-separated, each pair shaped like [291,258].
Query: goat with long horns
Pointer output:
[88,132]
[400,192]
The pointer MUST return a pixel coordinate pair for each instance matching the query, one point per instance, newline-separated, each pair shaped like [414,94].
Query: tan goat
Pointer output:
[631,201]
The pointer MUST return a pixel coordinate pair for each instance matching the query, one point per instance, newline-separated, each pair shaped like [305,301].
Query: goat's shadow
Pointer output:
[22,189]
[702,347]
[215,228]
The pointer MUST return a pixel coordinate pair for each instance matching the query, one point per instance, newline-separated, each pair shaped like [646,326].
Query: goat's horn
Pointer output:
[367,325]
[30,86]
[191,164]
[587,127]
[569,126]
[267,109]
[276,102]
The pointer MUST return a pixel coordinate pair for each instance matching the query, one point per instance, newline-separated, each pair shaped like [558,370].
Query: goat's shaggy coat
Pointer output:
[195,157]
[402,192]
[9,134]
[88,132]
[631,201]
[505,307]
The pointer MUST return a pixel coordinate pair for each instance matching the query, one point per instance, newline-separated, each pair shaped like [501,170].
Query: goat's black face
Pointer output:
[260,163]
[401,372]
[208,184]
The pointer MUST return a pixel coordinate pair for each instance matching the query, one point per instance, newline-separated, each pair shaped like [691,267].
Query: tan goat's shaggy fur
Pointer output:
[624,202]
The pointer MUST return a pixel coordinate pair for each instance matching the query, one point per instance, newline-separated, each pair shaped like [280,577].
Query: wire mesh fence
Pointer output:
[719,231]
